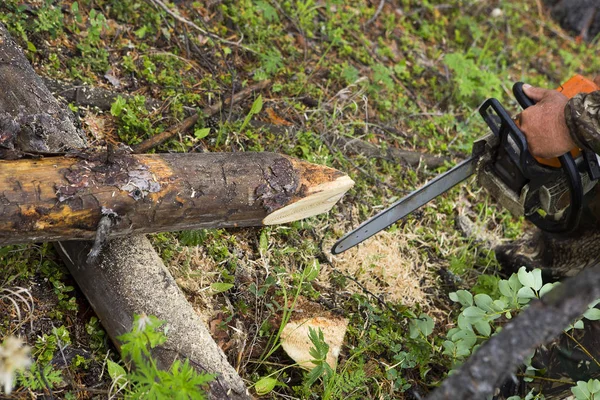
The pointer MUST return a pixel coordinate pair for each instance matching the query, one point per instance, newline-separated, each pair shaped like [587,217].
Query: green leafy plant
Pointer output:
[39,378]
[472,83]
[144,380]
[319,354]
[132,118]
[49,19]
[476,320]
[255,109]
[589,390]
[481,313]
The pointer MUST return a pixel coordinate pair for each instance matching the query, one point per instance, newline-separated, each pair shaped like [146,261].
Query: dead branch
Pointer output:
[409,157]
[133,271]
[189,122]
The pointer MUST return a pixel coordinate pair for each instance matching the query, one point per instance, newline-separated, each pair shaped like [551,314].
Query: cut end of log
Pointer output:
[296,342]
[319,199]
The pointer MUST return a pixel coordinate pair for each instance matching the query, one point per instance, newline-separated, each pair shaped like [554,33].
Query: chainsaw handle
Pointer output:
[511,138]
[523,100]
[516,167]
[569,167]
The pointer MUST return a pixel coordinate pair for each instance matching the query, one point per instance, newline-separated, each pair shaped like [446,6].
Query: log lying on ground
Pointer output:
[126,282]
[541,322]
[64,198]
[143,290]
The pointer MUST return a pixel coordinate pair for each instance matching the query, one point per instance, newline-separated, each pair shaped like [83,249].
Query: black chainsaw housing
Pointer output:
[516,167]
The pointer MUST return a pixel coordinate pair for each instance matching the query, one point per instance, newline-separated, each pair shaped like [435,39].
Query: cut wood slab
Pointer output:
[65,198]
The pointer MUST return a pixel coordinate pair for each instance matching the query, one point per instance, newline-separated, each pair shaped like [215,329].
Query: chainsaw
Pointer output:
[548,192]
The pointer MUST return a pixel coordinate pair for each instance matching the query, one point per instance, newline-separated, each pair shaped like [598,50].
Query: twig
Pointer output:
[542,378]
[162,137]
[540,9]
[541,322]
[377,12]
[590,18]
[582,347]
[203,31]
[187,123]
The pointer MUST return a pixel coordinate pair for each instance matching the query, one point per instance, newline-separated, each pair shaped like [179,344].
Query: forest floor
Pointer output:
[406,75]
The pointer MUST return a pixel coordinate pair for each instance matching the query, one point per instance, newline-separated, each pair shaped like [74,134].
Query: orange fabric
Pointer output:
[576,84]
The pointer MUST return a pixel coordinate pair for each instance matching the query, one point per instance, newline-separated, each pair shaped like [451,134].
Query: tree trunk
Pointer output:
[135,277]
[65,198]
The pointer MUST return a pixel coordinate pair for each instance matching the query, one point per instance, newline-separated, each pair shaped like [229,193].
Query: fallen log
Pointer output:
[142,291]
[66,198]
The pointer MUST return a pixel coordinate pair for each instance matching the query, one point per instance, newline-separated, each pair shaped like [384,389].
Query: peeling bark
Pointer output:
[66,198]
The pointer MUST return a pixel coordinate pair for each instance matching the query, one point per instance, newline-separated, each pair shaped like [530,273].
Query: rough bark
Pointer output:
[133,258]
[66,198]
[541,322]
[27,120]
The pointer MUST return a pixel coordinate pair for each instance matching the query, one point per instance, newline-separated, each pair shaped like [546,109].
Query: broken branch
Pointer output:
[189,122]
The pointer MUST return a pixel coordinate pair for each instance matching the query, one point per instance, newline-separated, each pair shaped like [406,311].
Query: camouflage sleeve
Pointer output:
[582,114]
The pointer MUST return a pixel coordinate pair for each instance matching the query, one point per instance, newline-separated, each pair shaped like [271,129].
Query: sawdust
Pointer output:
[388,265]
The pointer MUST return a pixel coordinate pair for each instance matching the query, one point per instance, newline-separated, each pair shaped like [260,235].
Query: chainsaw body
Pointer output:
[549,193]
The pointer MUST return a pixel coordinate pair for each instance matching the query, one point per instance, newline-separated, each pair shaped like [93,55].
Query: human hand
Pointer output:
[544,123]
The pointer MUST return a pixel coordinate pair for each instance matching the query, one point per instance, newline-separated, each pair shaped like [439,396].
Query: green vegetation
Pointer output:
[409,77]
[144,380]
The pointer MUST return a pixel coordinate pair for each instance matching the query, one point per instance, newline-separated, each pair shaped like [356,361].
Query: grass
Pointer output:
[409,77]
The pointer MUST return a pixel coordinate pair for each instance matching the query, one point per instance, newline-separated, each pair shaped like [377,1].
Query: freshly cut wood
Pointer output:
[64,198]
[296,342]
